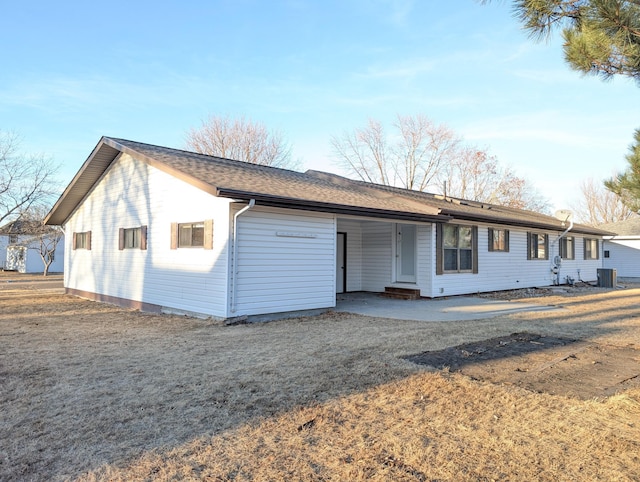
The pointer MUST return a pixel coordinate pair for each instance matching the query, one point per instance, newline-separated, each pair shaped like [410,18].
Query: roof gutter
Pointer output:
[301,204]
[520,223]
[234,247]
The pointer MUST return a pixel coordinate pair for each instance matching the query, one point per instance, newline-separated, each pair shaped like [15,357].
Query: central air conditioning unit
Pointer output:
[607,278]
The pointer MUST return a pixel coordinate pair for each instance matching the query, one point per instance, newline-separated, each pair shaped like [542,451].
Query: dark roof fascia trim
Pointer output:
[75,179]
[292,203]
[520,223]
[133,153]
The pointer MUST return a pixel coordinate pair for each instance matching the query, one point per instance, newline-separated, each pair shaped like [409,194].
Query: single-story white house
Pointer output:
[20,249]
[622,251]
[167,230]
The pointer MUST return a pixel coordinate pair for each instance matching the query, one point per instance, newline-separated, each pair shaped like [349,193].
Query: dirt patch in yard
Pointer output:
[545,364]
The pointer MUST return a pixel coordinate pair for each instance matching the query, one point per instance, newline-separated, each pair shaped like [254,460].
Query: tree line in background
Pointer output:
[421,155]
[416,153]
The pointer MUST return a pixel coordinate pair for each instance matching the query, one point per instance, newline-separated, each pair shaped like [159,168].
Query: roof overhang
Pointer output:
[98,162]
[301,204]
[523,223]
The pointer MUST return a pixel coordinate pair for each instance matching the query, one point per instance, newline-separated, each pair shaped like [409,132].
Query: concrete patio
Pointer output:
[444,309]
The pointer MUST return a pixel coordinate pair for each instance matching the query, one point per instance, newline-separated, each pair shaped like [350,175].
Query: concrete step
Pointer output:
[401,293]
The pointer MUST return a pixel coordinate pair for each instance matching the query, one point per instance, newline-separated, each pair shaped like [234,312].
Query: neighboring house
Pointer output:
[622,251]
[167,230]
[20,250]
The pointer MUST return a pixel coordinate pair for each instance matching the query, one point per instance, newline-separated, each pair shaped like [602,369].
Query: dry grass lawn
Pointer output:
[94,392]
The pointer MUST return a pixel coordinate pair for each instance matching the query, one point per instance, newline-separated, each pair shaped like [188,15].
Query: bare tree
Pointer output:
[240,139]
[364,152]
[476,175]
[45,242]
[598,205]
[411,159]
[422,155]
[25,181]
[39,237]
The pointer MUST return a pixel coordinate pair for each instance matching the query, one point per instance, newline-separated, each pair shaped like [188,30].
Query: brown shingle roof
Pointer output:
[628,227]
[280,187]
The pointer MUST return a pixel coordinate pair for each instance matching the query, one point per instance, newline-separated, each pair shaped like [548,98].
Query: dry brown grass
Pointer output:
[94,392]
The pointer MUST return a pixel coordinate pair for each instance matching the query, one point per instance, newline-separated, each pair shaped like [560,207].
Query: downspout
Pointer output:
[555,268]
[234,282]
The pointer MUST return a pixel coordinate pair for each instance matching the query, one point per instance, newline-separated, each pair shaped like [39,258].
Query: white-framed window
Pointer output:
[457,249]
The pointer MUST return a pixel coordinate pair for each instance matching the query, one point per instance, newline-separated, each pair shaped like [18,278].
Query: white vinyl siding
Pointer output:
[377,240]
[511,270]
[370,253]
[353,231]
[286,261]
[426,258]
[132,193]
[624,256]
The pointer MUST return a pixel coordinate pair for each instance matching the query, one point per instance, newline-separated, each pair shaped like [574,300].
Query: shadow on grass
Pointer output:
[103,388]
[514,345]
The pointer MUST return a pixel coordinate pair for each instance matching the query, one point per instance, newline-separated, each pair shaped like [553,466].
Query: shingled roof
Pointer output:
[628,227]
[313,190]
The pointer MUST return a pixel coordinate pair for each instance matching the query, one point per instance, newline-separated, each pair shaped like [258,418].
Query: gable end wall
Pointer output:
[132,194]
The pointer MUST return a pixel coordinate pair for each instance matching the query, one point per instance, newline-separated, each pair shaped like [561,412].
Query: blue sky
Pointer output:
[149,71]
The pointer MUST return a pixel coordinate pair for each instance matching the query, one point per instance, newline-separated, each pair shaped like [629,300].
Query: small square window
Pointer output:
[82,240]
[498,239]
[132,237]
[191,235]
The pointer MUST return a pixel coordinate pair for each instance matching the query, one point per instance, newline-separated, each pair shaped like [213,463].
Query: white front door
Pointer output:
[406,253]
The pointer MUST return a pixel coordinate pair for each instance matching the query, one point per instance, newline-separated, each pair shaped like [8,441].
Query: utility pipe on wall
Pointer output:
[555,268]
[234,282]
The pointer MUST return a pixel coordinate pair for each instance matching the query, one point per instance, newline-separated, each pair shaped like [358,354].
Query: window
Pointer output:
[82,240]
[538,246]
[132,238]
[606,253]
[567,248]
[192,235]
[498,239]
[457,248]
[591,250]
